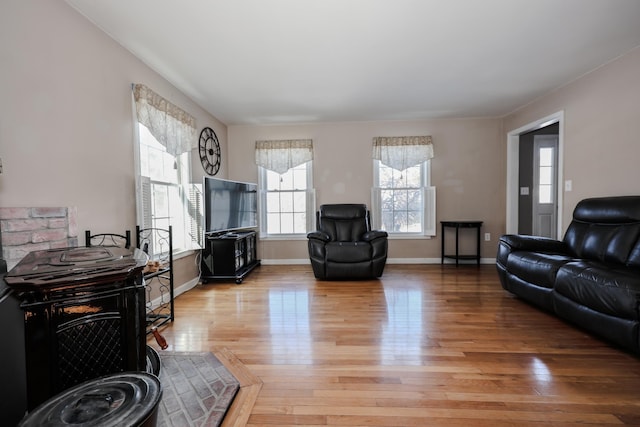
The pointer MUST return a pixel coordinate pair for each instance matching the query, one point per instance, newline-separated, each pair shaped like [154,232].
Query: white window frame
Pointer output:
[428,219]
[183,241]
[262,203]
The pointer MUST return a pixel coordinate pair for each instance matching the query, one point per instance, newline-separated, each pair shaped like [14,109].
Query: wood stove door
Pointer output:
[83,336]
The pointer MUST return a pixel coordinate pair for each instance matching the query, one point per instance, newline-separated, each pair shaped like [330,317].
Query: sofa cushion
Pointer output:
[611,290]
[634,256]
[605,229]
[536,267]
[610,243]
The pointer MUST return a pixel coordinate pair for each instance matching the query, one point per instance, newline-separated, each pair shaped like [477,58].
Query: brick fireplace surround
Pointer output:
[33,229]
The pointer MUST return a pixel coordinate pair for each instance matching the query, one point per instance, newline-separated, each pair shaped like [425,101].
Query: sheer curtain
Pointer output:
[282,155]
[402,152]
[170,125]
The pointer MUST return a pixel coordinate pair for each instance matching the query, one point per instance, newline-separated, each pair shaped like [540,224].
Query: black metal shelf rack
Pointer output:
[158,278]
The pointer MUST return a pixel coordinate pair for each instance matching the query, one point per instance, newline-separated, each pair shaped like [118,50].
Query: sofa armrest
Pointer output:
[520,242]
[374,234]
[319,235]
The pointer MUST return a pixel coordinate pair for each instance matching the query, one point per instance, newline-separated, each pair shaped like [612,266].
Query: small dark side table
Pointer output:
[458,225]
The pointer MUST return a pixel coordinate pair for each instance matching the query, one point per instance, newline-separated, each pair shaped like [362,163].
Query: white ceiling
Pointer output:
[291,61]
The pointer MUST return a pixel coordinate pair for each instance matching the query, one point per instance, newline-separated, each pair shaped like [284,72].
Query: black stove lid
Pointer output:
[115,400]
[42,269]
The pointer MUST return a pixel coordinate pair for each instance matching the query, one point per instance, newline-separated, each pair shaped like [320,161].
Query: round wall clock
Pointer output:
[209,151]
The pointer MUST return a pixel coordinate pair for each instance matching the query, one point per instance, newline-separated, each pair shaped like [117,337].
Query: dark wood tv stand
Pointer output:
[228,256]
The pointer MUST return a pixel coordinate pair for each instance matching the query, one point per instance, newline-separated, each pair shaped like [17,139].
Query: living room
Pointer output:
[57,128]
[67,126]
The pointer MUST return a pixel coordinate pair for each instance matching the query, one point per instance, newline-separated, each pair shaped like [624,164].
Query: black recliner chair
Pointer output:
[344,246]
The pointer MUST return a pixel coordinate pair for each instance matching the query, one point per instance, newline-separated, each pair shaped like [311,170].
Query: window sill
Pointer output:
[177,254]
[184,253]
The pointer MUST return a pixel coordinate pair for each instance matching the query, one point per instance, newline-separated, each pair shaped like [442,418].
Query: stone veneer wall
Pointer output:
[33,229]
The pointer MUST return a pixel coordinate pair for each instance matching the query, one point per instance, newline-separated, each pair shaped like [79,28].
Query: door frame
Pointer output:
[544,141]
[513,166]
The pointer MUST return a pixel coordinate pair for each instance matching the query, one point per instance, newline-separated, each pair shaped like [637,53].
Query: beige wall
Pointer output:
[468,172]
[66,135]
[601,130]
[66,126]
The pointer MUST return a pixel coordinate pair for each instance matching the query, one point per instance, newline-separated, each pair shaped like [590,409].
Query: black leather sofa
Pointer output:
[592,277]
[344,246]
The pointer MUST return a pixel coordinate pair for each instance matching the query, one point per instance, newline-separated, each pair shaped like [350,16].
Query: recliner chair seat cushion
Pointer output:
[538,268]
[348,252]
[610,290]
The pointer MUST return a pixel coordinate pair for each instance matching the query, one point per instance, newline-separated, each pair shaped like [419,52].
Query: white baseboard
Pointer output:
[296,261]
[389,261]
[177,291]
[482,261]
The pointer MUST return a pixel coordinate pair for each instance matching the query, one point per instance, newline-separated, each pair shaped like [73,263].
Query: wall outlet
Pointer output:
[487,237]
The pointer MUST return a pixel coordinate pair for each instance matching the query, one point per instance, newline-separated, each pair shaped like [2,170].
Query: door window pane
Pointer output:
[545,194]
[546,156]
[545,175]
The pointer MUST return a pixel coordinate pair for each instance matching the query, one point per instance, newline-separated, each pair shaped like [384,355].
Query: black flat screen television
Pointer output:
[229,205]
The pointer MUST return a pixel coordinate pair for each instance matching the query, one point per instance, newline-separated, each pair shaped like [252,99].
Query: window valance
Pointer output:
[170,125]
[282,155]
[402,152]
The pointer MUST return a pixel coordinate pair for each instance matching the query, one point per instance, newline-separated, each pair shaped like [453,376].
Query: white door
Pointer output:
[545,182]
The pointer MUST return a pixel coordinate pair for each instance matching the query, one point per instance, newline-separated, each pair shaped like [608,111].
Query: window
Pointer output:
[287,201]
[165,135]
[545,174]
[164,191]
[403,201]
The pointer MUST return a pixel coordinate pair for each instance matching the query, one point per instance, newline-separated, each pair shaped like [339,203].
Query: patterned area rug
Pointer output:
[197,390]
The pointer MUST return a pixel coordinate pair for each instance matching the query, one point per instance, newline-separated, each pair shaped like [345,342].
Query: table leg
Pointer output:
[442,245]
[478,246]
[457,229]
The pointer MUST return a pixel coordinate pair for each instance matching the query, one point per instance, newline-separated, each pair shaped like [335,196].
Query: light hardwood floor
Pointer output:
[423,346]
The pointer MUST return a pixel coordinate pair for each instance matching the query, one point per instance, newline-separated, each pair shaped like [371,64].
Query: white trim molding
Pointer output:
[513,151]
[390,261]
[155,303]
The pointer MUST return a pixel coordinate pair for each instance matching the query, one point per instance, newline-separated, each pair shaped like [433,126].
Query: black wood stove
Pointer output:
[84,316]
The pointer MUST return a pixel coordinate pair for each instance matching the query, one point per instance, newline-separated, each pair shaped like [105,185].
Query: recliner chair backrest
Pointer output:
[343,222]
[606,229]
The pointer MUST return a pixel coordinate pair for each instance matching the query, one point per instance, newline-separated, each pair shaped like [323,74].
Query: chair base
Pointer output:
[348,271]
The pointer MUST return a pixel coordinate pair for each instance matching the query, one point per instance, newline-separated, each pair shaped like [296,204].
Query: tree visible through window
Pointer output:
[401,199]
[402,202]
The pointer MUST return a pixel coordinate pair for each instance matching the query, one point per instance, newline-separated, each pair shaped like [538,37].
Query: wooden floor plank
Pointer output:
[424,345]
[250,385]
